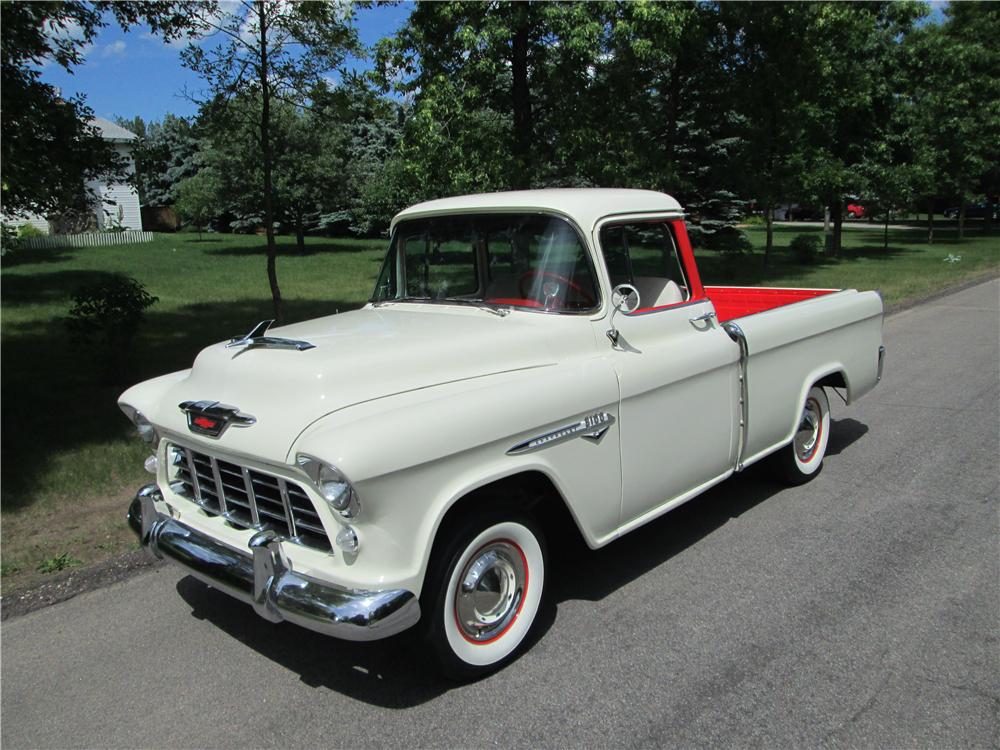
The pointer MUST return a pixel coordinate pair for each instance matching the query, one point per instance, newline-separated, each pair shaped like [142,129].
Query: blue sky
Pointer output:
[135,73]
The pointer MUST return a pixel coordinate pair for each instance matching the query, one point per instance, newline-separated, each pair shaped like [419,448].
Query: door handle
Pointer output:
[705,316]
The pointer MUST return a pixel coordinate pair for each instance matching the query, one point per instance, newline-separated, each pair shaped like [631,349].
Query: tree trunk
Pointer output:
[930,221]
[961,219]
[670,146]
[837,210]
[885,231]
[521,97]
[266,159]
[300,235]
[769,219]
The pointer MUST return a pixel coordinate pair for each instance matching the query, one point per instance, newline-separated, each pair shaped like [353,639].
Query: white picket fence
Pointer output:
[91,239]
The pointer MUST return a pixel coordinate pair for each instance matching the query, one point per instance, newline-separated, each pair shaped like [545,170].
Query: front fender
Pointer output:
[413,455]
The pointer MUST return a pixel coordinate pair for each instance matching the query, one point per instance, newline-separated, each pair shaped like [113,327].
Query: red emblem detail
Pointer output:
[205,423]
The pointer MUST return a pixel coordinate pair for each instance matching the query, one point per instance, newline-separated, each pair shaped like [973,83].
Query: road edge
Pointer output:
[69,584]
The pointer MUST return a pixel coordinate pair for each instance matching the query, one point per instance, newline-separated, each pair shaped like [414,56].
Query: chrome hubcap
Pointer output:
[807,435]
[490,591]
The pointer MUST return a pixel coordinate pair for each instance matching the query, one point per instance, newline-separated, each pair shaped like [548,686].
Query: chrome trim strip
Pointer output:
[265,580]
[251,497]
[223,510]
[666,308]
[283,490]
[881,364]
[592,426]
[736,334]
[194,475]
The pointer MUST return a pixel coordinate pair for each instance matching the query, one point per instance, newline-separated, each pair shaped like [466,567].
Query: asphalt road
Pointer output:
[858,611]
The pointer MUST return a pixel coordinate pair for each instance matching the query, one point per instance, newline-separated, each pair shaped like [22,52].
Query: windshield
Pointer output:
[529,261]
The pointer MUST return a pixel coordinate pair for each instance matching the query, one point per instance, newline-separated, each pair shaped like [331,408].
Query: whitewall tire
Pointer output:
[803,458]
[485,591]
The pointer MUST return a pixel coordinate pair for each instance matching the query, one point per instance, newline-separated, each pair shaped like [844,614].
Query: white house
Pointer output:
[115,204]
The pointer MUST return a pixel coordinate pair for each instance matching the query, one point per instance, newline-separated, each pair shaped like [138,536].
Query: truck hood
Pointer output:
[358,356]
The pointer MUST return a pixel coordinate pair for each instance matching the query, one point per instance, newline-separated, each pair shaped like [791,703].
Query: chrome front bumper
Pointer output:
[263,578]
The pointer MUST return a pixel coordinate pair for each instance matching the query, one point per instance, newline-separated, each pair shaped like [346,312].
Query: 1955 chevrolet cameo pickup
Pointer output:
[522,353]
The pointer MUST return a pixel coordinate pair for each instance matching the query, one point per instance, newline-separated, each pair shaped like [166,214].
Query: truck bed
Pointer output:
[738,301]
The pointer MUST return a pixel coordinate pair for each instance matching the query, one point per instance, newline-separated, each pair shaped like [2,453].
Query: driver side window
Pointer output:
[645,255]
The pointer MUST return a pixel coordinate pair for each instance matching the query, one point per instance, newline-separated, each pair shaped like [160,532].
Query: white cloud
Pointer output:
[115,49]
[67,30]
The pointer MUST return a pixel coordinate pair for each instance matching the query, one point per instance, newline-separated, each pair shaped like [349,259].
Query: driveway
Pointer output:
[858,611]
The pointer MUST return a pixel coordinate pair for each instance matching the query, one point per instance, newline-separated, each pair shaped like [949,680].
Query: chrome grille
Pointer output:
[248,498]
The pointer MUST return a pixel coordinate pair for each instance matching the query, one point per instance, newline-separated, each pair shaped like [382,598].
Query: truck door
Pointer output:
[678,371]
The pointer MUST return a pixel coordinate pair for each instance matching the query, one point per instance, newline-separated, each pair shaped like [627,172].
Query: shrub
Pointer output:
[805,247]
[105,318]
[755,220]
[8,237]
[729,240]
[29,230]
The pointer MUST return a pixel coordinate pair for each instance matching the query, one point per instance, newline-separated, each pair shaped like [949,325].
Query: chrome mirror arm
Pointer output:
[624,298]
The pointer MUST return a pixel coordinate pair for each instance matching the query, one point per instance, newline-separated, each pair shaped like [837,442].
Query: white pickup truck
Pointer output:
[522,353]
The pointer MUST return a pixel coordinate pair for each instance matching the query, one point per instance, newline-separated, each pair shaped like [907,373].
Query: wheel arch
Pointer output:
[531,490]
[832,375]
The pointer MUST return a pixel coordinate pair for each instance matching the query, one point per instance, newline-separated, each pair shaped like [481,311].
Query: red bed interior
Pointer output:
[736,301]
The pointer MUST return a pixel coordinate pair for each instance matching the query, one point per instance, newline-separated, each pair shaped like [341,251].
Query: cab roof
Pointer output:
[586,206]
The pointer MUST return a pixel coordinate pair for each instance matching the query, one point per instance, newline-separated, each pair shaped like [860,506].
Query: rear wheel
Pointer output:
[803,458]
[482,593]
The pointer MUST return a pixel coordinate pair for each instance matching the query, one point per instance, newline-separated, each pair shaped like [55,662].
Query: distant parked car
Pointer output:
[856,211]
[978,210]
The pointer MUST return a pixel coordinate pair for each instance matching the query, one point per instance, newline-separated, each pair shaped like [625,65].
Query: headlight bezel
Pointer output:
[146,430]
[332,485]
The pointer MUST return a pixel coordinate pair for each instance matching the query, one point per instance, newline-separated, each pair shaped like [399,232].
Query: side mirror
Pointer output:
[625,298]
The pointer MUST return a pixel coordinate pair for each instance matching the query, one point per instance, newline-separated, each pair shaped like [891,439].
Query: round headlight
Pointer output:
[146,430]
[142,425]
[332,485]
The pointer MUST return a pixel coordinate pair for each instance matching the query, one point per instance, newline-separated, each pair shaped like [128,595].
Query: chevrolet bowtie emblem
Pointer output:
[212,418]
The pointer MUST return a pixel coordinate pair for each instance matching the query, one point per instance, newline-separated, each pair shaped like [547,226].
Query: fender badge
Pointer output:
[212,418]
[592,427]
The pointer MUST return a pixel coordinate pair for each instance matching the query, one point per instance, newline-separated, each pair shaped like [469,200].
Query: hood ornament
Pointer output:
[212,418]
[257,340]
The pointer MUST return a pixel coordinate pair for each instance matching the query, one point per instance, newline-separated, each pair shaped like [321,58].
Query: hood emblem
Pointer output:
[257,340]
[212,418]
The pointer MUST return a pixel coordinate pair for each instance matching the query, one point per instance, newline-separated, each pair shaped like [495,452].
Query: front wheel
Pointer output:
[803,458]
[483,591]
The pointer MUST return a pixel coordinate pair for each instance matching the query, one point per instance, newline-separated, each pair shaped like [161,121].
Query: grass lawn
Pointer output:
[70,462]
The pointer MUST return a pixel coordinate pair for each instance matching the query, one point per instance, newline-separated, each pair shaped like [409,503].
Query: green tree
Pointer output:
[768,51]
[275,52]
[853,97]
[165,153]
[486,81]
[196,200]
[48,149]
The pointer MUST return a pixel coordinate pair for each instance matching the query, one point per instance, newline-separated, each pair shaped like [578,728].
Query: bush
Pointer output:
[729,240]
[29,230]
[104,320]
[806,247]
[755,220]
[8,237]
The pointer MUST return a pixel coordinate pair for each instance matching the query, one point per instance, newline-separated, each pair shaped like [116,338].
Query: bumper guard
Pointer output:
[262,577]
